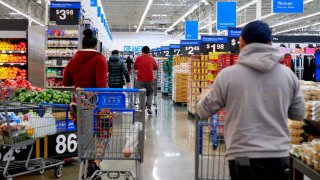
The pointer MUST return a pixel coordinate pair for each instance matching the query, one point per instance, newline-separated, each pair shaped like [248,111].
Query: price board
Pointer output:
[63,145]
[65,13]
[190,47]
[214,44]
[174,49]
[164,51]
[234,45]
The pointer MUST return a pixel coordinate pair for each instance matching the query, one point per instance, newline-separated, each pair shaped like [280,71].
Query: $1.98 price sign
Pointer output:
[190,47]
[214,44]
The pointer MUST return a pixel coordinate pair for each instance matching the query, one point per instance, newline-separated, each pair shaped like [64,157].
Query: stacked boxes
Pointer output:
[198,80]
[180,79]
[159,74]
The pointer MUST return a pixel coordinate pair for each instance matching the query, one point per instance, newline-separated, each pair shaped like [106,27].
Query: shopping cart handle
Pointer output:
[109,90]
[55,105]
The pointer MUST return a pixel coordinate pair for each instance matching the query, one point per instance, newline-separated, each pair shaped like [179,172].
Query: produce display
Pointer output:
[13,45]
[13,58]
[45,96]
[12,73]
[18,84]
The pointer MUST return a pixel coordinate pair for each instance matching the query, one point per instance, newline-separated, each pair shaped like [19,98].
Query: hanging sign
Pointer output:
[213,44]
[99,11]
[191,28]
[102,18]
[164,51]
[65,13]
[93,3]
[174,49]
[234,35]
[226,15]
[190,47]
[287,6]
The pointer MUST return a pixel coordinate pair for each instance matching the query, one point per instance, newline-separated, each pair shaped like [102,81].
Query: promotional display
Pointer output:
[287,6]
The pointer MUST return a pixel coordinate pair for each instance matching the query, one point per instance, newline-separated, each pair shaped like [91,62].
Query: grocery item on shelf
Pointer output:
[296,131]
[159,73]
[12,73]
[62,43]
[167,75]
[13,58]
[67,52]
[180,79]
[309,152]
[55,33]
[13,45]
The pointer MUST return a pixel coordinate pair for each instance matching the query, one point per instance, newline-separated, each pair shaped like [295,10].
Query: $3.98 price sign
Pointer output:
[65,13]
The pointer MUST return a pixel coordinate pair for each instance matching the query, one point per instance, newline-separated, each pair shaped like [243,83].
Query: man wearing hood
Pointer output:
[118,72]
[259,95]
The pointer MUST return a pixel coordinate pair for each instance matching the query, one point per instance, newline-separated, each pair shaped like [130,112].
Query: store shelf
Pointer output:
[59,56]
[54,76]
[12,52]
[13,64]
[62,46]
[60,87]
[60,37]
[56,66]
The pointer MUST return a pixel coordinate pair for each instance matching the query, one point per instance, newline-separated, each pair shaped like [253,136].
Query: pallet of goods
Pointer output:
[166,87]
[159,74]
[198,80]
[180,79]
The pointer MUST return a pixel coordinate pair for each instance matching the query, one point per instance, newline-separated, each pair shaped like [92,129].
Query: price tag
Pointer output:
[234,45]
[174,49]
[65,13]
[164,51]
[63,144]
[190,47]
[214,44]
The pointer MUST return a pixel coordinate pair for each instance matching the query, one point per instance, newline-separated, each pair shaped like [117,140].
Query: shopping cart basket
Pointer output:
[110,127]
[211,163]
[20,125]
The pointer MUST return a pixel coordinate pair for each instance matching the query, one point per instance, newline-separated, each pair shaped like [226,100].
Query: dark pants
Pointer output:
[149,88]
[260,169]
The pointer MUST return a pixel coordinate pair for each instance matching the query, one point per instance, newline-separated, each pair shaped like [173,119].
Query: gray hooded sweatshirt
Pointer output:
[259,95]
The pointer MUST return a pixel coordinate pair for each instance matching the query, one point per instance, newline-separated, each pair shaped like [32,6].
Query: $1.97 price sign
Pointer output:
[65,13]
[213,44]
[189,47]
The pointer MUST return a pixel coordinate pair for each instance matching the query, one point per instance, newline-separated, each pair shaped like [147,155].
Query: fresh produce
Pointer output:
[13,45]
[19,83]
[45,96]
[13,58]
[12,73]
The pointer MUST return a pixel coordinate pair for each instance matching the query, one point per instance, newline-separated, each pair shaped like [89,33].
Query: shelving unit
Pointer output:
[63,43]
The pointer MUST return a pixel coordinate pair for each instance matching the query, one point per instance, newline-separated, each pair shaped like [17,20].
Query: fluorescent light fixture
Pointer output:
[144,15]
[238,10]
[39,1]
[296,19]
[156,15]
[23,14]
[296,28]
[164,15]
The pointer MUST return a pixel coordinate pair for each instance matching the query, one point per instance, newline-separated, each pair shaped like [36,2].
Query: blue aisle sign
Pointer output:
[287,6]
[135,49]
[99,11]
[191,29]
[65,5]
[93,3]
[226,15]
[102,18]
[234,33]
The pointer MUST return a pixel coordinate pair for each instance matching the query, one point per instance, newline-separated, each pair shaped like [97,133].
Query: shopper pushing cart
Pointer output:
[111,127]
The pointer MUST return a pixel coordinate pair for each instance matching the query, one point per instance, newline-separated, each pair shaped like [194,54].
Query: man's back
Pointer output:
[145,65]
[258,95]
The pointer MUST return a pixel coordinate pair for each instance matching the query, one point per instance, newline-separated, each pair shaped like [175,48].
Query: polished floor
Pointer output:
[169,148]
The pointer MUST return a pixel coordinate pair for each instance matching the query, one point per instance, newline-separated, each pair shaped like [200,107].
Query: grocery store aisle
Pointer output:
[169,147]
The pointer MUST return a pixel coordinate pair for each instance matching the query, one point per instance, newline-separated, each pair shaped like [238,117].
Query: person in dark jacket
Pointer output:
[129,63]
[118,72]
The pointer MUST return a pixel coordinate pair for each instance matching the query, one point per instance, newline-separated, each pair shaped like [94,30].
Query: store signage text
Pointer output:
[135,49]
[65,13]
[234,32]
[226,15]
[191,28]
[174,49]
[214,39]
[190,47]
[287,6]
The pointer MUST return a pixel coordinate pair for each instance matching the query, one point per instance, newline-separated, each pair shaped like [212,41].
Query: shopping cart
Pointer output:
[211,163]
[21,125]
[111,127]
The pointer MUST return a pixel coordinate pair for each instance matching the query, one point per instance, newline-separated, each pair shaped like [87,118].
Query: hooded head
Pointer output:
[256,49]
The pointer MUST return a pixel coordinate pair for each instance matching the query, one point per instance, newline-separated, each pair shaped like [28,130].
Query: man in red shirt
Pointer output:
[145,64]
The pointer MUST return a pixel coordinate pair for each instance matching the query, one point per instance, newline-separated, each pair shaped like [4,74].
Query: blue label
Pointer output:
[65,5]
[154,50]
[158,49]
[174,46]
[165,48]
[190,42]
[214,39]
[135,49]
[102,18]
[93,3]
[226,15]
[288,6]
[99,11]
[191,29]
[234,32]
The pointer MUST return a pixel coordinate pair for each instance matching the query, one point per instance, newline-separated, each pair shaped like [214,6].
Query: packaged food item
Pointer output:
[316,165]
[309,161]
[303,157]
[295,124]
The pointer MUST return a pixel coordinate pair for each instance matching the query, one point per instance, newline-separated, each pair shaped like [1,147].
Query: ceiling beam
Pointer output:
[296,28]
[144,15]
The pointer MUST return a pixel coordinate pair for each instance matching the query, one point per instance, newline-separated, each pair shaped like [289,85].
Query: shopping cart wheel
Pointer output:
[41,171]
[58,171]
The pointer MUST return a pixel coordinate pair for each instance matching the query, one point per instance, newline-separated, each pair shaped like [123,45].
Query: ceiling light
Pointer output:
[13,13]
[164,15]
[39,1]
[144,15]
[156,15]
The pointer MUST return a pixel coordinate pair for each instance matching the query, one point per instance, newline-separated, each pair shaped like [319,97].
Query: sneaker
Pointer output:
[149,111]
[92,168]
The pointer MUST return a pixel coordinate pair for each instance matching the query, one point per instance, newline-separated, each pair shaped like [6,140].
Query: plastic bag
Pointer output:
[132,139]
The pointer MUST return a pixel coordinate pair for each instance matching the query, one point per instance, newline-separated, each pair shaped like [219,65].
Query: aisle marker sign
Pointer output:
[213,44]
[99,11]
[93,3]
[190,47]
[102,18]
[191,28]
[287,6]
[234,35]
[164,51]
[226,15]
[174,49]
